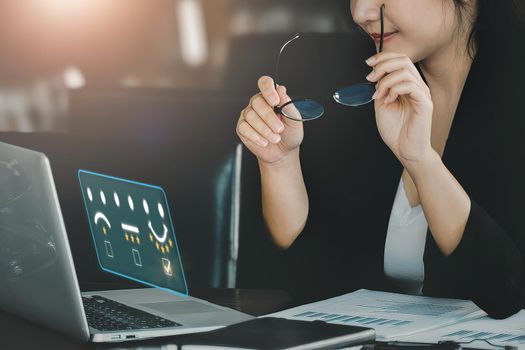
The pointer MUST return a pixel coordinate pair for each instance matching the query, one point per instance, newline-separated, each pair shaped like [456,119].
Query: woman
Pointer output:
[428,69]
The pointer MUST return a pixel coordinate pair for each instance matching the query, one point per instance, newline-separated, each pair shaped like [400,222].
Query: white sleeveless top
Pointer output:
[405,243]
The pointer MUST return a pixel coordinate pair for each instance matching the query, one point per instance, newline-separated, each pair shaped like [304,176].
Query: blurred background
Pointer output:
[52,47]
[151,90]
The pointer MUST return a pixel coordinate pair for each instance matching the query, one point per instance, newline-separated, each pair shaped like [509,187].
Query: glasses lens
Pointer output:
[303,110]
[355,95]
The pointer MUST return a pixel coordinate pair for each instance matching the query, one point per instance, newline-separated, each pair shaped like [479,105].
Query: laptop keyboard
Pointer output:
[108,315]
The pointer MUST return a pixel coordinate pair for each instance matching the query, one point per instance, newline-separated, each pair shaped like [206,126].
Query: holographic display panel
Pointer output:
[132,230]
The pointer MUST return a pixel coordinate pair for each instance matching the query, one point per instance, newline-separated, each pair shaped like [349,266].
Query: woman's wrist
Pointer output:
[424,167]
[289,161]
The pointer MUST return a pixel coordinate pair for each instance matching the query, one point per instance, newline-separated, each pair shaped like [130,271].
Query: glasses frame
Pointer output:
[279,109]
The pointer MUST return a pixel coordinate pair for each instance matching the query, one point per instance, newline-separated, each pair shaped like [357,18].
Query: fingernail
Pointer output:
[275,138]
[263,143]
[371,60]
[374,95]
[370,75]
[274,100]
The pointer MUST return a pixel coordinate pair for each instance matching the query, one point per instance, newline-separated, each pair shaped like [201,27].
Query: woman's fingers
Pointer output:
[258,124]
[378,57]
[388,66]
[247,133]
[407,88]
[383,86]
[291,111]
[283,96]
[267,88]
[266,113]
[396,70]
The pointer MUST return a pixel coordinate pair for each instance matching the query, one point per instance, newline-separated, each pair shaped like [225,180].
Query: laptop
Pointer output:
[133,236]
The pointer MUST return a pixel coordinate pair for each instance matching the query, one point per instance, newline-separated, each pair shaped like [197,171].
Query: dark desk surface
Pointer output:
[16,333]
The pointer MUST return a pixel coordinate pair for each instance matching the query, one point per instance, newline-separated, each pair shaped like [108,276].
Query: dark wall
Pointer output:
[179,141]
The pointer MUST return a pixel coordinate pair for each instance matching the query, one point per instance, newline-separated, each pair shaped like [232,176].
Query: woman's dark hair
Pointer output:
[497,23]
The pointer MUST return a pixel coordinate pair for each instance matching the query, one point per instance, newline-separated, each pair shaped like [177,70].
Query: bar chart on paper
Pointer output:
[510,331]
[390,314]
[363,320]
[466,335]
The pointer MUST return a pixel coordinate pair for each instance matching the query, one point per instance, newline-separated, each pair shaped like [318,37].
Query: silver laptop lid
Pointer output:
[37,275]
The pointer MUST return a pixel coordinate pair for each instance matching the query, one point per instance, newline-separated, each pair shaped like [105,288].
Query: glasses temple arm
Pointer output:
[276,72]
[382,28]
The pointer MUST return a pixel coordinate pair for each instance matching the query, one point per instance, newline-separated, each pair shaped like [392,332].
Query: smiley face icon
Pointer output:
[159,239]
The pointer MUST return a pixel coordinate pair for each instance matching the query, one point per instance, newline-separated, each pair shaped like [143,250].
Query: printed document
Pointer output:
[510,331]
[391,315]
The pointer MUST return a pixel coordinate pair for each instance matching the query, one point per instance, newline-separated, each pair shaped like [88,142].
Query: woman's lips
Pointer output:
[377,37]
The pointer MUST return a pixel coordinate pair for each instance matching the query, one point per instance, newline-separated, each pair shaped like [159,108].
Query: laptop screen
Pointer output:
[132,230]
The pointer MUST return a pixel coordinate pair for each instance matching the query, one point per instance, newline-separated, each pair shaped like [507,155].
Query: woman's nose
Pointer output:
[365,11]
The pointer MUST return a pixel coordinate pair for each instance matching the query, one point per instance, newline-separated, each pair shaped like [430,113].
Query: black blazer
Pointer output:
[352,179]
[485,153]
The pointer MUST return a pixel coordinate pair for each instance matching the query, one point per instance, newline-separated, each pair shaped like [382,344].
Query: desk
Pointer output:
[17,333]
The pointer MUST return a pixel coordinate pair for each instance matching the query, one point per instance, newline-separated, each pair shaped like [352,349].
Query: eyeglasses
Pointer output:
[306,109]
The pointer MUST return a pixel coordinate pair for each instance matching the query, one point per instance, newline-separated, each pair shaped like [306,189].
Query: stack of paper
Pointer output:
[510,331]
[391,315]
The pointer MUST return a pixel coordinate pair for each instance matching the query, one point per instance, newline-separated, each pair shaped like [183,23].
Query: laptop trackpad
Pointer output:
[180,307]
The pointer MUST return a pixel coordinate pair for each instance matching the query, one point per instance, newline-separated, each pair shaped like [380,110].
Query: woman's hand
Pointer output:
[270,137]
[403,107]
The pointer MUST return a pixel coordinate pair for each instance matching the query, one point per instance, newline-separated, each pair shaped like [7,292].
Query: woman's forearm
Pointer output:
[445,203]
[284,199]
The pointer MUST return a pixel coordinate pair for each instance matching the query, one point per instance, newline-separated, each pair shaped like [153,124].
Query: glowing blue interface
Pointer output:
[132,230]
